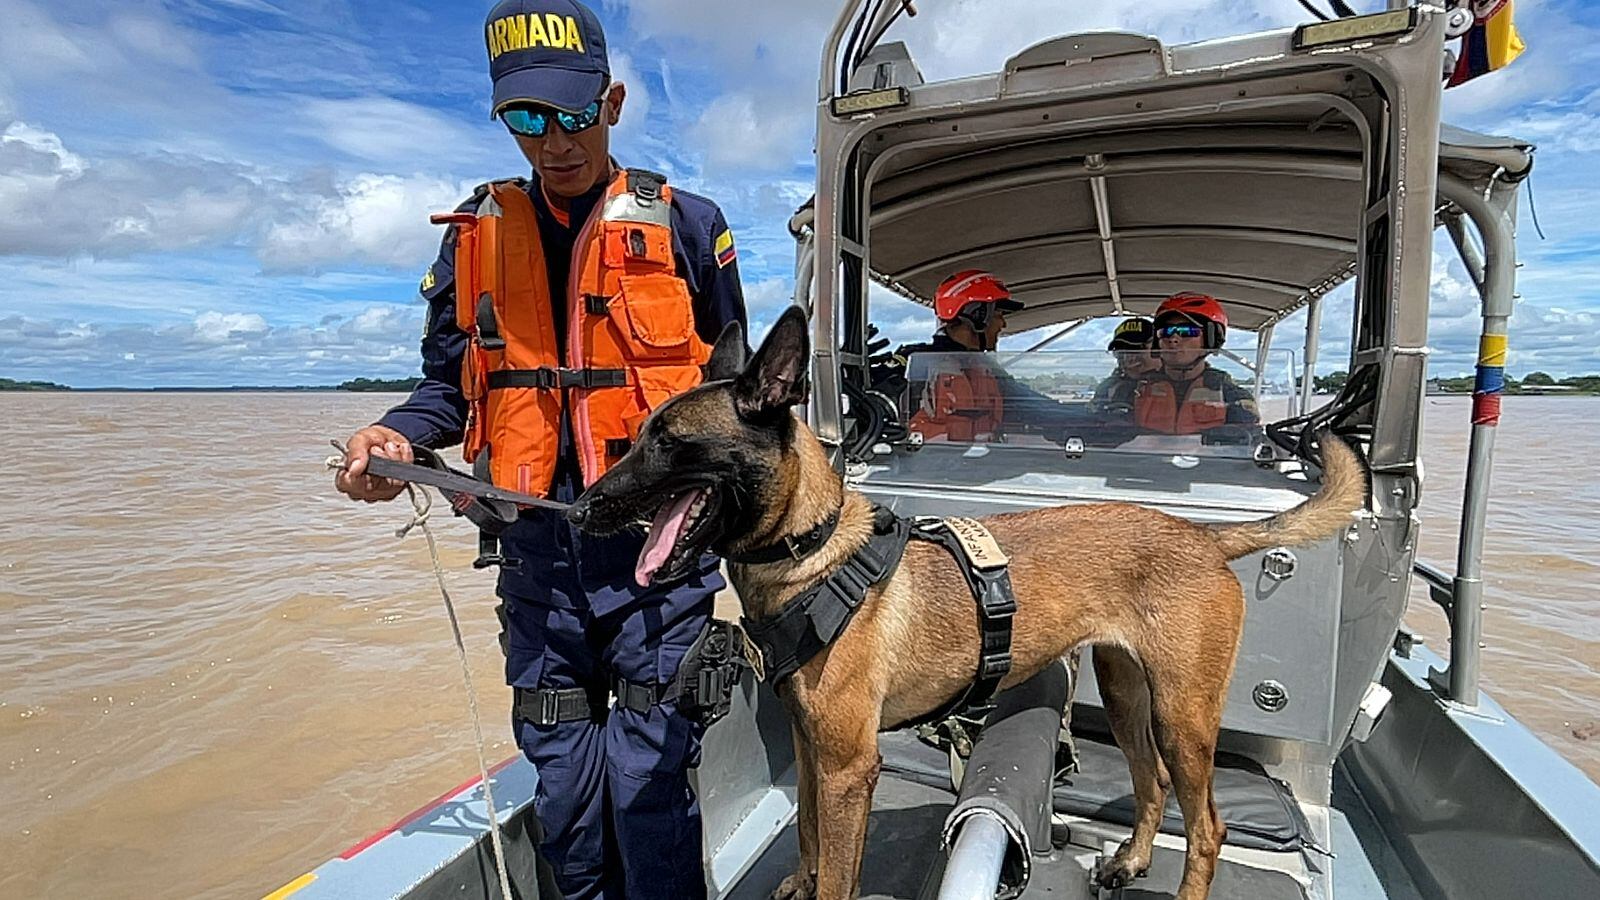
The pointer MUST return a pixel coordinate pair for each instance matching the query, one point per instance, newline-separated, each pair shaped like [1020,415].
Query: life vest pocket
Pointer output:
[635,246]
[653,386]
[653,315]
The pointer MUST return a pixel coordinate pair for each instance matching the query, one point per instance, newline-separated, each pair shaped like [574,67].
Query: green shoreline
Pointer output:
[356,385]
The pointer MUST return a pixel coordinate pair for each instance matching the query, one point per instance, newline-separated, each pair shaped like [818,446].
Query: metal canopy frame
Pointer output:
[1227,82]
[1400,168]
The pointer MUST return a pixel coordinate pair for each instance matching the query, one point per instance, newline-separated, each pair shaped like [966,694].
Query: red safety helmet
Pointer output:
[967,287]
[1201,309]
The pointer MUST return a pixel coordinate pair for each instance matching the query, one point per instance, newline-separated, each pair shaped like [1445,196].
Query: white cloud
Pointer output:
[54,202]
[1573,129]
[384,130]
[373,218]
[744,131]
[636,109]
[214,349]
[219,328]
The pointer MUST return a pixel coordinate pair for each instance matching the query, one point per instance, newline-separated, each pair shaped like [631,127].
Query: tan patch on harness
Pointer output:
[982,550]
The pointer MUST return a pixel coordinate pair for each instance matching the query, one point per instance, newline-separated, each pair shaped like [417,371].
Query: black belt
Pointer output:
[548,378]
[703,687]
[548,706]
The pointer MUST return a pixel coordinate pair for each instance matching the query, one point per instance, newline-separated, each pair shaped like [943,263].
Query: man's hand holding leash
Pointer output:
[373,440]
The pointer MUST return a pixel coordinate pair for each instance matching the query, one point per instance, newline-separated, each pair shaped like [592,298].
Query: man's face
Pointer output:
[991,335]
[1137,363]
[1182,342]
[966,330]
[569,165]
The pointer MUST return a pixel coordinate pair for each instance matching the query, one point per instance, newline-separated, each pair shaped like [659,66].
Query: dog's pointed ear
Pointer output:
[727,357]
[776,379]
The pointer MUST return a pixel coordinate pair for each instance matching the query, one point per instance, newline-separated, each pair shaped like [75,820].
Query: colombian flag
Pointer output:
[1492,43]
[723,248]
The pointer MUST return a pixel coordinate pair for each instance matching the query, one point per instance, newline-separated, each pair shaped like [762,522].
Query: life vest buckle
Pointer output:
[646,186]
[489,337]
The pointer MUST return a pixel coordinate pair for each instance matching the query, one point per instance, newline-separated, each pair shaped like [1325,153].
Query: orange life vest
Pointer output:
[1157,407]
[961,404]
[630,342]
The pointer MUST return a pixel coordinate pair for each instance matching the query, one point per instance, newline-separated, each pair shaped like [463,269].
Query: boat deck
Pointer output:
[903,858]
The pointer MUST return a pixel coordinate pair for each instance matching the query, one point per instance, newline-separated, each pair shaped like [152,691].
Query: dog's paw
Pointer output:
[799,886]
[1121,869]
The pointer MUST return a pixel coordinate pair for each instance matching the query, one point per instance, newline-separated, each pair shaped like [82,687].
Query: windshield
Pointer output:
[1045,426]
[1131,401]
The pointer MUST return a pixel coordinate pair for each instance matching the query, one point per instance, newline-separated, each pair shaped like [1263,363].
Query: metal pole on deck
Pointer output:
[975,860]
[1496,278]
[1313,337]
[1263,348]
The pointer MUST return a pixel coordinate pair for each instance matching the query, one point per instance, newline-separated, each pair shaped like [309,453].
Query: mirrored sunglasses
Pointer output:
[535,122]
[1180,330]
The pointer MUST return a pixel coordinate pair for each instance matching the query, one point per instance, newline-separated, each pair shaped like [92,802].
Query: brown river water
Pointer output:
[215,673]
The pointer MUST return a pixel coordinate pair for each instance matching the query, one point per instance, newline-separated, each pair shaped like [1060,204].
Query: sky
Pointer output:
[220,192]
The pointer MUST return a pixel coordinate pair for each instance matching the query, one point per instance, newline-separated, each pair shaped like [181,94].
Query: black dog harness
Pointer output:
[815,618]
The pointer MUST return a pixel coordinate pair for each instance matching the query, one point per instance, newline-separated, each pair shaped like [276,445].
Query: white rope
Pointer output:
[421,503]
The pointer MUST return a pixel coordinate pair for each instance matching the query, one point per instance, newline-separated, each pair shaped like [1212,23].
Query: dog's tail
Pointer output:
[1344,490]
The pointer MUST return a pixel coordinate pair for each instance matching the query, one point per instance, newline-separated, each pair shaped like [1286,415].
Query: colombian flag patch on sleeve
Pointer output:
[723,248]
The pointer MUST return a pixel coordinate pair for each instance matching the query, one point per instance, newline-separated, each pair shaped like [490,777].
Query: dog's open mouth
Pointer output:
[678,535]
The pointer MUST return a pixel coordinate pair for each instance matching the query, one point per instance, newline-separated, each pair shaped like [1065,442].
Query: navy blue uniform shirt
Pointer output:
[435,414]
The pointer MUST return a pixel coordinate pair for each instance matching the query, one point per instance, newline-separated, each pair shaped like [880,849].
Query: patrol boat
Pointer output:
[1098,173]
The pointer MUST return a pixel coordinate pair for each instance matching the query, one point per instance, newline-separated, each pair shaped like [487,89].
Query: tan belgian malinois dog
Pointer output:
[728,467]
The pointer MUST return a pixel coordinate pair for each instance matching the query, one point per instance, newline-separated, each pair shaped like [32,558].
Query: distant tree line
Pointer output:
[1058,381]
[369,385]
[1532,383]
[6,384]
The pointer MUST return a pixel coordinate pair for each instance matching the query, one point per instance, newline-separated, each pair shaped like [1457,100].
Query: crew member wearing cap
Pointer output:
[1189,396]
[562,309]
[963,397]
[1132,344]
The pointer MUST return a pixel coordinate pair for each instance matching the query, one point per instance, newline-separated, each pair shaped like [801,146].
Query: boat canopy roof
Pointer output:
[1261,208]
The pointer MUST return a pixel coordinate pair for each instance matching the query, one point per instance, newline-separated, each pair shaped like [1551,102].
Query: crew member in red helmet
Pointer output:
[1189,396]
[965,397]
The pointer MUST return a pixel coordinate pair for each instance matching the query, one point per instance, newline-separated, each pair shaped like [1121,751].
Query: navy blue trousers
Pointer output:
[613,797]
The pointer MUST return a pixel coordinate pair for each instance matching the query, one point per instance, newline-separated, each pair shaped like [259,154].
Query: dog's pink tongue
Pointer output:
[664,533]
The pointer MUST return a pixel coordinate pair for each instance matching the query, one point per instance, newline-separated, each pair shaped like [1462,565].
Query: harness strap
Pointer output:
[997,606]
[489,551]
[489,336]
[811,621]
[547,378]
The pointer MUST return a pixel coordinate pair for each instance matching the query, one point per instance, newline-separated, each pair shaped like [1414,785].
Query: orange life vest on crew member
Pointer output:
[630,342]
[961,404]
[1157,406]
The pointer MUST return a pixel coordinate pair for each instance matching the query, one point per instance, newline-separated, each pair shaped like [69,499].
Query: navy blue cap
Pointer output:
[1134,334]
[550,52]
